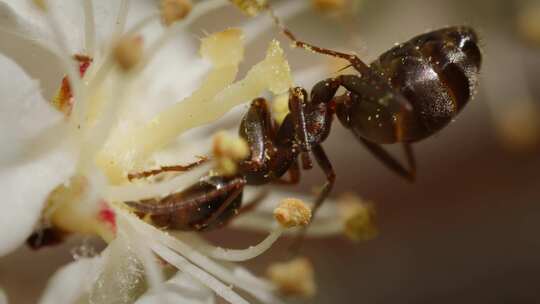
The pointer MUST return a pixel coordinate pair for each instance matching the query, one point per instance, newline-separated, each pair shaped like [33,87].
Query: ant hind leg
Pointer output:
[389,161]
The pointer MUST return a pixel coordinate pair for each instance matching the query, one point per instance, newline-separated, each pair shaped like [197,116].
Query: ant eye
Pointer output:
[472,52]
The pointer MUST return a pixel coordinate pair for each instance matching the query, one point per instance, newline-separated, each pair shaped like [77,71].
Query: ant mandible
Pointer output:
[409,93]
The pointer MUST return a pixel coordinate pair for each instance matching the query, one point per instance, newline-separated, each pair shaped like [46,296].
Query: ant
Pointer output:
[408,94]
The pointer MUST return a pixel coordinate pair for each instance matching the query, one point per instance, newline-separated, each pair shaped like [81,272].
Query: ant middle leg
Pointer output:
[228,201]
[251,204]
[325,164]
[176,168]
[294,175]
[389,161]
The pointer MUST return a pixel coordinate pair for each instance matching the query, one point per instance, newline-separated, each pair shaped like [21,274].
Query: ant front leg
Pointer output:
[175,168]
[389,161]
[297,101]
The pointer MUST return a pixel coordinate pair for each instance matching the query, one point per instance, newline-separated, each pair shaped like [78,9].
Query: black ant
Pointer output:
[409,93]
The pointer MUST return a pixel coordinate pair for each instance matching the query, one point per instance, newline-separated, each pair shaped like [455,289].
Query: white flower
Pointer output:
[116,122]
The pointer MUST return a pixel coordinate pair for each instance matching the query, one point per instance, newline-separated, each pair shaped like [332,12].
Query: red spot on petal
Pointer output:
[63,100]
[107,215]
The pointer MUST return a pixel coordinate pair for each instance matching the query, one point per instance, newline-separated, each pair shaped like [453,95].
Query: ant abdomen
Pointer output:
[437,73]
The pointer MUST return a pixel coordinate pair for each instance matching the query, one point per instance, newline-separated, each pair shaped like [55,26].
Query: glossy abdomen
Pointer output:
[437,73]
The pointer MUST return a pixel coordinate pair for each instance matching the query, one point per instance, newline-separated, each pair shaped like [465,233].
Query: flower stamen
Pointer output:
[89,28]
[293,278]
[174,10]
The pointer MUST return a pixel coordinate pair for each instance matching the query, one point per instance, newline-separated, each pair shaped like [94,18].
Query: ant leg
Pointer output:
[176,168]
[389,161]
[253,203]
[325,164]
[229,200]
[294,175]
[258,129]
[411,161]
[297,99]
[249,206]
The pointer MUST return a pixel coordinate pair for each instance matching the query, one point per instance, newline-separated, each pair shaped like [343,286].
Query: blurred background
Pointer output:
[467,231]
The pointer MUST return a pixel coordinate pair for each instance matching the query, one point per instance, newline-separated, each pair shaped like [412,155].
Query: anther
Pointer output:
[174,10]
[292,213]
[128,52]
[358,218]
[293,278]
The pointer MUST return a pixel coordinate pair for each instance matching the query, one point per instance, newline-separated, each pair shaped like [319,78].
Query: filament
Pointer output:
[238,255]
[121,17]
[89,28]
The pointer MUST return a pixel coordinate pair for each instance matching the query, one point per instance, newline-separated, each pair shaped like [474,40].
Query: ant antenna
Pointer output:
[354,60]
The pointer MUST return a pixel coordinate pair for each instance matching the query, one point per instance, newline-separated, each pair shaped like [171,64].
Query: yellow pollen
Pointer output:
[174,10]
[128,52]
[292,213]
[228,150]
[280,107]
[293,278]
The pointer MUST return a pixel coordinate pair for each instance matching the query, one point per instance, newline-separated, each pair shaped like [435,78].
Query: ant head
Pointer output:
[324,91]
[466,39]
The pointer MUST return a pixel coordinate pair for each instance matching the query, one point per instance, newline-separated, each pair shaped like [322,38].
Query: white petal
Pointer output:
[21,17]
[23,111]
[181,288]
[72,281]
[26,176]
